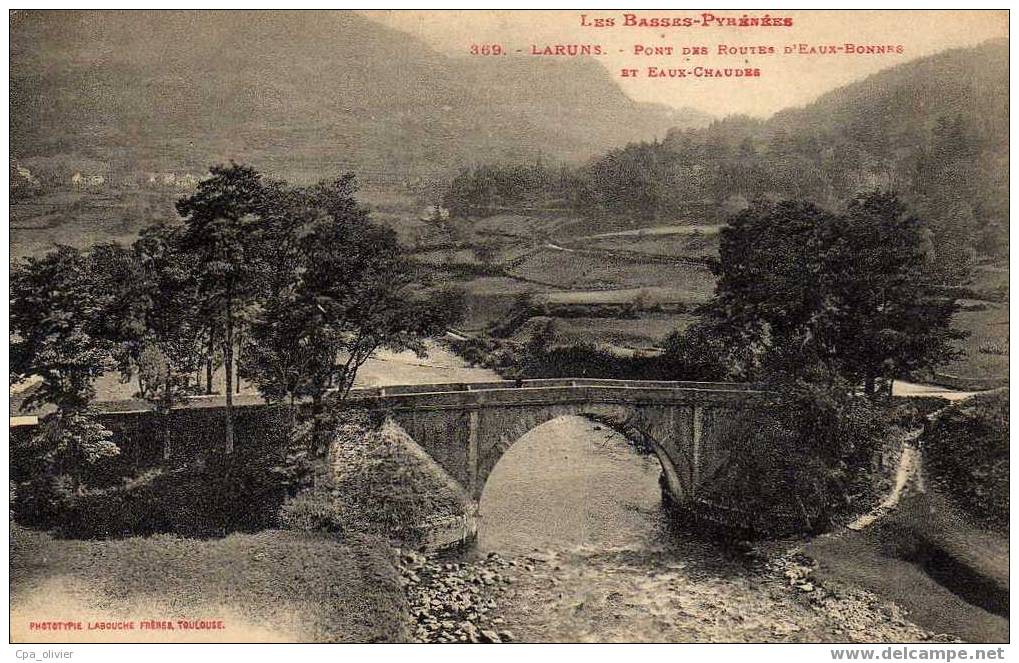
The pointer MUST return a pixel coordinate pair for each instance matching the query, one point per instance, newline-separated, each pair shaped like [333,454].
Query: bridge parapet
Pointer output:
[420,394]
[549,382]
[531,395]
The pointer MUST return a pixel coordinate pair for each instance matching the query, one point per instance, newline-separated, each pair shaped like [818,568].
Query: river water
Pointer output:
[571,483]
[580,512]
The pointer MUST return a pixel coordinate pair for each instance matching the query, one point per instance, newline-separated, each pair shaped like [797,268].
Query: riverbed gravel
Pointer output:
[455,601]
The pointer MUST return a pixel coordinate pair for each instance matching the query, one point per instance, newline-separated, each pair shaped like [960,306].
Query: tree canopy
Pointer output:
[296,286]
[850,294]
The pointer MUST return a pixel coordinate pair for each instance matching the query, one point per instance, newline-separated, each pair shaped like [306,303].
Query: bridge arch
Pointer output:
[571,481]
[632,422]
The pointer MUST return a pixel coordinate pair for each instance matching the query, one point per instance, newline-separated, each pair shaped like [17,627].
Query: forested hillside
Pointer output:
[296,93]
[935,130]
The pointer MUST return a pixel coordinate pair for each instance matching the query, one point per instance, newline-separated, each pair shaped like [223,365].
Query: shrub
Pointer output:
[801,460]
[314,510]
[223,494]
[966,453]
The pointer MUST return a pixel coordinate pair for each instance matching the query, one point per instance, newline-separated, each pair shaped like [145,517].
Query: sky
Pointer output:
[785,80]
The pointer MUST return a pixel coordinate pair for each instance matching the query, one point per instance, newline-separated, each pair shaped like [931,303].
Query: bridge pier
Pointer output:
[472,453]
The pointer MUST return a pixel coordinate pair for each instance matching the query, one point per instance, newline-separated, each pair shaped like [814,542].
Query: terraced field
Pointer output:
[645,332]
[582,271]
[695,246]
[519,225]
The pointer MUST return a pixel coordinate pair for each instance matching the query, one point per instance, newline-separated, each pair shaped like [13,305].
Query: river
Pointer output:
[580,514]
[571,483]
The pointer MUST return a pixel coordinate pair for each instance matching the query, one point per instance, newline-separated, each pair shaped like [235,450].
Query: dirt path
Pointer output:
[909,464]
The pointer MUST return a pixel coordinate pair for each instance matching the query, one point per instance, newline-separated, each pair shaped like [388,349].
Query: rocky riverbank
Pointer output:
[642,596]
[456,601]
[852,613]
[574,546]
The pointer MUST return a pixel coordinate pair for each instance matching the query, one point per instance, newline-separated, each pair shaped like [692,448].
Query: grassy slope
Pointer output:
[944,553]
[987,347]
[967,457]
[885,561]
[274,585]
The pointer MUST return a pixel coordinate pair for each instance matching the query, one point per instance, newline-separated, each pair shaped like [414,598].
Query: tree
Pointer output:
[803,452]
[118,274]
[543,338]
[56,336]
[766,295]
[223,228]
[799,286]
[350,292]
[171,341]
[881,317]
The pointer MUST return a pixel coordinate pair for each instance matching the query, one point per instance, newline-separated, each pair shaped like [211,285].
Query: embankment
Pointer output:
[273,586]
[381,482]
[943,552]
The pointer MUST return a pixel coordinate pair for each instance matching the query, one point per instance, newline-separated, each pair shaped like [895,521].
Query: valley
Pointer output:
[332,326]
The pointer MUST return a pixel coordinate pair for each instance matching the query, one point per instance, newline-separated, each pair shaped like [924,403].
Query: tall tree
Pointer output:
[767,272]
[172,341]
[56,336]
[881,317]
[352,292]
[223,228]
[800,287]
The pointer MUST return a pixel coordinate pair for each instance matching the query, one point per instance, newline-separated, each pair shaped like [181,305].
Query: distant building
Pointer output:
[435,213]
[79,181]
[182,182]
[187,181]
[26,174]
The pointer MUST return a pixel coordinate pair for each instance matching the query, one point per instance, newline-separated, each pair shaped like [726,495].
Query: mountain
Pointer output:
[896,108]
[301,94]
[934,129]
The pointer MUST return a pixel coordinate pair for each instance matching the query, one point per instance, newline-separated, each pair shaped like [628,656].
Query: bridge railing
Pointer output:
[544,383]
[545,395]
[449,392]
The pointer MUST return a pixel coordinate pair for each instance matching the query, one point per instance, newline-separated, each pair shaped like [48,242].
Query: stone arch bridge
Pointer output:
[466,428]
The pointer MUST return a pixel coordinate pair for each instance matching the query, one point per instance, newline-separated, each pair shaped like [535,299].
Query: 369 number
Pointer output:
[486,49]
